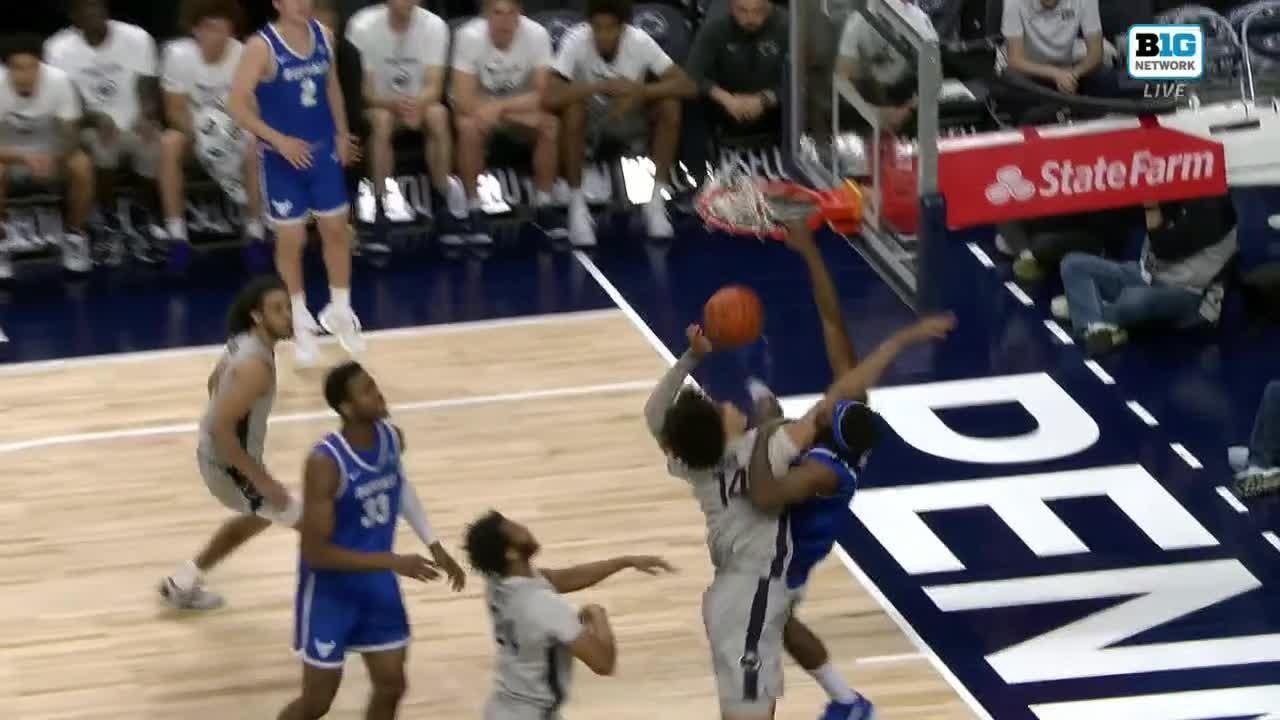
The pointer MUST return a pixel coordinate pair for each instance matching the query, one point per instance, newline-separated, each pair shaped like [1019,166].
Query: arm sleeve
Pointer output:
[465,54]
[412,511]
[542,48]
[702,57]
[656,60]
[1011,19]
[438,43]
[172,75]
[355,30]
[554,616]
[148,60]
[1090,18]
[782,453]
[570,49]
[68,108]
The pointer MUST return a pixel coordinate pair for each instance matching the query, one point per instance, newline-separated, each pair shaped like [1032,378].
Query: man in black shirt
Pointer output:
[738,62]
[351,78]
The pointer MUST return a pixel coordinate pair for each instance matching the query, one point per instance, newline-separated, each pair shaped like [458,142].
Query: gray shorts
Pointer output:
[503,708]
[630,131]
[127,146]
[744,617]
[235,492]
[18,180]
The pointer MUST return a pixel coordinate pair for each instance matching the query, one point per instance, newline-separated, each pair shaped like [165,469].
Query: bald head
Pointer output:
[750,15]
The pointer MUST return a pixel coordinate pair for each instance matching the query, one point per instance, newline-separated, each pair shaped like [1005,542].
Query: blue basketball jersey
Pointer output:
[295,101]
[815,522]
[368,500]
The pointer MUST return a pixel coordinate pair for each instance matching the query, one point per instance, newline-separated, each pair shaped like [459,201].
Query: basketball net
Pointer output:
[737,202]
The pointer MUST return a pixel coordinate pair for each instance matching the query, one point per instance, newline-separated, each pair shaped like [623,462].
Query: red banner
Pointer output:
[1074,170]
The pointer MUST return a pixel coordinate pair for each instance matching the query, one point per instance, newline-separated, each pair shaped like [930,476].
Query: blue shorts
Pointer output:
[292,195]
[336,613]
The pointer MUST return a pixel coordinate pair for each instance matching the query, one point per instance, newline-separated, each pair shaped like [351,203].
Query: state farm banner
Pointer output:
[1072,169]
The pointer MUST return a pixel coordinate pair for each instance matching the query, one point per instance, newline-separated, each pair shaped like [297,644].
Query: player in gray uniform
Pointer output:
[537,631]
[747,605]
[233,433]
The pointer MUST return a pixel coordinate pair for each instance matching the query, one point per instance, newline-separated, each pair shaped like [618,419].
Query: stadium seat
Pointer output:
[1222,46]
[557,23]
[667,25]
[1263,42]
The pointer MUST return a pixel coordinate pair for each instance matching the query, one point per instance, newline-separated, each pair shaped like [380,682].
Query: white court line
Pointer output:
[1142,413]
[1058,332]
[415,331]
[1186,456]
[982,256]
[853,568]
[1103,375]
[1017,292]
[1229,498]
[1270,537]
[890,659]
[182,428]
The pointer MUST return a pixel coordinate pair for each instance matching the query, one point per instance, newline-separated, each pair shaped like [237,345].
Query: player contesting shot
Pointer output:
[748,604]
[348,597]
[286,92]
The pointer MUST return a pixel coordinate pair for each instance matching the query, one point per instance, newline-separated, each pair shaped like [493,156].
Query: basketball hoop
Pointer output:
[742,204]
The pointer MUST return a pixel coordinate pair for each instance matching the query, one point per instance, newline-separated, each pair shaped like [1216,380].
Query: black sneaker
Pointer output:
[107,246]
[1257,481]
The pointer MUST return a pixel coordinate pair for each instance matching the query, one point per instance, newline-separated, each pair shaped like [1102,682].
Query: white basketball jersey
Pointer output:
[206,85]
[740,538]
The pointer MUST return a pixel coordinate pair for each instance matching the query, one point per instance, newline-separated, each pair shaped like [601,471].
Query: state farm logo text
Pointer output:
[1064,177]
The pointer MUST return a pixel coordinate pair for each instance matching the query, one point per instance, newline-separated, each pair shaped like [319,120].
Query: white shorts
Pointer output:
[238,495]
[744,617]
[143,156]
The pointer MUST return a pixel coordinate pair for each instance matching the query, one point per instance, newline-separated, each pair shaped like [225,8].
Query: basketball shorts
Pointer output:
[126,146]
[293,195]
[18,180]
[630,131]
[744,616]
[234,491]
[336,613]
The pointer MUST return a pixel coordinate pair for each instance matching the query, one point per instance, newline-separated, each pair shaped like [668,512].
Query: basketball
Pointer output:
[733,317]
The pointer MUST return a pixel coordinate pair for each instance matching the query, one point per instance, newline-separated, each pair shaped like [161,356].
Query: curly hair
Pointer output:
[486,544]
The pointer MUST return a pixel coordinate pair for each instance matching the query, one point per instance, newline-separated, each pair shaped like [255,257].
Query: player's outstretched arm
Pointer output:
[320,485]
[664,394]
[581,577]
[835,334]
[595,645]
[771,494]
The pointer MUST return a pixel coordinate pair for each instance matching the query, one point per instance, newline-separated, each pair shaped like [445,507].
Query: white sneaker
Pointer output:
[1059,309]
[1238,458]
[343,324]
[75,253]
[194,598]
[582,233]
[456,198]
[305,346]
[656,220]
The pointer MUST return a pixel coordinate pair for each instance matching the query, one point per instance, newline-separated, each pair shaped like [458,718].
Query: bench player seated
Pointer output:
[601,90]
[405,49]
[196,79]
[114,66]
[499,79]
[39,147]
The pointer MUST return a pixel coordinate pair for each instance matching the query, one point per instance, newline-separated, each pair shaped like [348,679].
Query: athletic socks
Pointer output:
[177,228]
[186,576]
[340,297]
[541,199]
[835,686]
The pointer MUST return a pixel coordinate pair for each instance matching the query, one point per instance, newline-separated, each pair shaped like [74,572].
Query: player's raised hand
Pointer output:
[649,564]
[934,327]
[445,561]
[416,567]
[296,152]
[800,236]
[699,343]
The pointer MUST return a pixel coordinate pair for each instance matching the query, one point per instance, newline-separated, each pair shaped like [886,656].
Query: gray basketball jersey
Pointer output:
[252,429]
[533,626]
[740,538]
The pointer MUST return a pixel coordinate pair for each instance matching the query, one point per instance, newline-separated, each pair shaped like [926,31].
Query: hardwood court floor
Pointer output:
[540,419]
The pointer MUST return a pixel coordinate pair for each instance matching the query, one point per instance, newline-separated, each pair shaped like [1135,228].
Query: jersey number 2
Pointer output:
[308,92]
[377,510]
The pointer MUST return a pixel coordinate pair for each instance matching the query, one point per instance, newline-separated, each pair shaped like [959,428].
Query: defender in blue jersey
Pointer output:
[348,596]
[286,93]
[816,492]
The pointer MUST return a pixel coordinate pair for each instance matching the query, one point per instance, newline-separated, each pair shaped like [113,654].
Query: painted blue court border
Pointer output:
[1218,659]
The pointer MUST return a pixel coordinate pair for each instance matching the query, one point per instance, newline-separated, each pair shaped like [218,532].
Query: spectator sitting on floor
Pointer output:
[1258,465]
[1041,38]
[878,69]
[737,62]
[1187,247]
[1107,233]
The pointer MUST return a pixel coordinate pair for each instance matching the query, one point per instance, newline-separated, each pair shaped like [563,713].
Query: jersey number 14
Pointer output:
[732,487]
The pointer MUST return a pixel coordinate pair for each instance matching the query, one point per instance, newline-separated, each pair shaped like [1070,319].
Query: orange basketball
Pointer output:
[733,317]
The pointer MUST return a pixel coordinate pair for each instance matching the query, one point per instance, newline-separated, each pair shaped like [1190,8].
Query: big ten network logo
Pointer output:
[1167,57]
